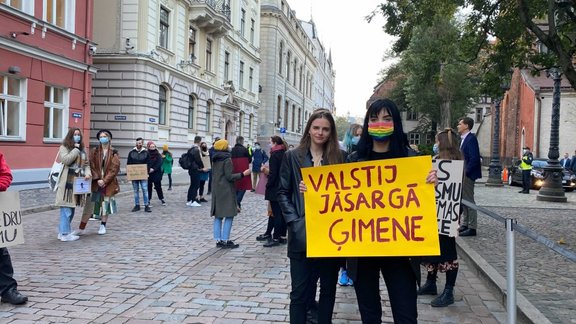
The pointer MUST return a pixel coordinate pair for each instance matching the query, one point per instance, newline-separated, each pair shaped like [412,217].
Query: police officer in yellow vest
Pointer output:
[526,167]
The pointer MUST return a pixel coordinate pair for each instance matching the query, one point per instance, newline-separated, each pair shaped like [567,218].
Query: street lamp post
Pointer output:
[495,169]
[552,188]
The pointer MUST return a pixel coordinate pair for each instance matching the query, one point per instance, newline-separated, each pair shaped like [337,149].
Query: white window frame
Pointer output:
[69,14]
[241,75]
[21,101]
[242,21]
[192,109]
[163,105]
[414,138]
[209,115]
[26,6]
[250,79]
[64,106]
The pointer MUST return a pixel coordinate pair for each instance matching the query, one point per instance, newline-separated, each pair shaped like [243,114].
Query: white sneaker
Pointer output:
[59,236]
[79,232]
[68,237]
[189,203]
[195,204]
[102,229]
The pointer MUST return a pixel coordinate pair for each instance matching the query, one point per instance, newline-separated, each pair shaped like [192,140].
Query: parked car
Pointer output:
[537,175]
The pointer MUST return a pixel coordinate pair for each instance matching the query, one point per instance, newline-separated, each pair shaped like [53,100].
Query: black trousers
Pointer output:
[304,273]
[400,282]
[526,183]
[194,185]
[279,222]
[7,280]
[157,183]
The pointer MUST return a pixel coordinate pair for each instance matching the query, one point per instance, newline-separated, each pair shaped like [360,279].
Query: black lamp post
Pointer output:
[495,169]
[552,187]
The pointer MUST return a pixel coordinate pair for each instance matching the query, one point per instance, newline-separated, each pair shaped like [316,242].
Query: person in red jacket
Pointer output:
[8,285]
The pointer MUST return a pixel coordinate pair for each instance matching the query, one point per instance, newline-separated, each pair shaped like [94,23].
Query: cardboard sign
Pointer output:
[448,195]
[373,208]
[81,186]
[137,172]
[11,229]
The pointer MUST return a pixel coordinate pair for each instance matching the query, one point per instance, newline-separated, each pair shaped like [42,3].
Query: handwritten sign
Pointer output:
[81,186]
[136,172]
[374,208]
[448,195]
[11,229]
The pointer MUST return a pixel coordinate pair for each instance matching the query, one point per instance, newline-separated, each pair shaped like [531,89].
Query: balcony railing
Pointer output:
[220,6]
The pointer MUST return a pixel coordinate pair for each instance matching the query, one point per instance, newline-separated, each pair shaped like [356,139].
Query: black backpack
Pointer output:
[185,161]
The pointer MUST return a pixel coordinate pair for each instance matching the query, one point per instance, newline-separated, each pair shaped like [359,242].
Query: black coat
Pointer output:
[291,200]
[273,183]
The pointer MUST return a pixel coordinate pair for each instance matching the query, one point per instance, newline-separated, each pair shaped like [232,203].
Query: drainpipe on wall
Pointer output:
[538,123]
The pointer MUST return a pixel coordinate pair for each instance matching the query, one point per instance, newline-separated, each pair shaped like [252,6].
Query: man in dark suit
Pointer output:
[566,162]
[472,171]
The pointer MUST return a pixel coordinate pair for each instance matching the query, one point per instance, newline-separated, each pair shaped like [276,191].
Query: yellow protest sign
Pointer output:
[373,208]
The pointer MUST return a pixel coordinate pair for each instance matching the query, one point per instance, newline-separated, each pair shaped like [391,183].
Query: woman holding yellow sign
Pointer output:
[383,138]
[319,146]
[75,161]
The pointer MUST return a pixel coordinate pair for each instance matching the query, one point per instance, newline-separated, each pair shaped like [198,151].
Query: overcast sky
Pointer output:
[357,46]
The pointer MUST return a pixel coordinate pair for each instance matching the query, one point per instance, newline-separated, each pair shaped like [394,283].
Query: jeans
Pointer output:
[136,185]
[7,280]
[66,215]
[194,185]
[222,233]
[239,197]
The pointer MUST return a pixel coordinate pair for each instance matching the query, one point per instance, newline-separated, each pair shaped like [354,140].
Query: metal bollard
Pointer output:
[510,271]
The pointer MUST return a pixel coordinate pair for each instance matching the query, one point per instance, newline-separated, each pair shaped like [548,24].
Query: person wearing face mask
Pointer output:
[259,158]
[155,172]
[447,147]
[73,155]
[204,174]
[105,166]
[382,138]
[351,137]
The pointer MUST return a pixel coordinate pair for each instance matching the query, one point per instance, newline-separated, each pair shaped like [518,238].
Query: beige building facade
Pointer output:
[169,70]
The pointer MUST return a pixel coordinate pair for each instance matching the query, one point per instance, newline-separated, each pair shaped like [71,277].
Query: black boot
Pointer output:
[429,287]
[447,298]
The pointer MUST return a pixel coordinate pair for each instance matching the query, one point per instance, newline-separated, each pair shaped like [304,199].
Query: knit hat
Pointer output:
[103,131]
[165,147]
[221,145]
[149,143]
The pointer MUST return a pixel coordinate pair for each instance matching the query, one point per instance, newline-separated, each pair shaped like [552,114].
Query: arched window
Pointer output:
[278,111]
[162,105]
[241,123]
[286,107]
[293,117]
[288,66]
[294,72]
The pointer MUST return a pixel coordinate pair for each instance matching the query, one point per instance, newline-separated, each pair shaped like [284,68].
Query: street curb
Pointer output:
[40,209]
[526,312]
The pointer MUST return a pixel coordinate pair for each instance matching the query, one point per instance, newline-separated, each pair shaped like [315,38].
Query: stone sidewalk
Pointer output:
[164,267]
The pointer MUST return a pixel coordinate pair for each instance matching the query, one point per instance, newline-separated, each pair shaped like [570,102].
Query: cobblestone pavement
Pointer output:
[163,267]
[545,278]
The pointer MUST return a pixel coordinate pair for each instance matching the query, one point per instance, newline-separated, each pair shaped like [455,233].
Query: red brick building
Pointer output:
[45,81]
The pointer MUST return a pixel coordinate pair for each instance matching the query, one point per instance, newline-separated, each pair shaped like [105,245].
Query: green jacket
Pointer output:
[167,162]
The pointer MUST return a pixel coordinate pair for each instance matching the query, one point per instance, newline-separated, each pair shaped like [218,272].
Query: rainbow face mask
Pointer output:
[381,131]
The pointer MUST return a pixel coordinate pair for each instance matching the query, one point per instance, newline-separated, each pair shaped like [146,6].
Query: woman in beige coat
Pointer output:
[76,165]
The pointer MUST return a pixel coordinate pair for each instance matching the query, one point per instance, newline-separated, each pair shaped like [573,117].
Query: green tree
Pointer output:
[342,126]
[519,27]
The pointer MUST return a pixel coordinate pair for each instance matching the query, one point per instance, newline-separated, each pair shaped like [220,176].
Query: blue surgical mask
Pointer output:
[355,140]
[104,140]
[435,148]
[76,138]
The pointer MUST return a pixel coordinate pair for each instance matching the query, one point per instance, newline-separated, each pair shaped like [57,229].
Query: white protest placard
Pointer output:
[81,186]
[136,172]
[11,232]
[448,195]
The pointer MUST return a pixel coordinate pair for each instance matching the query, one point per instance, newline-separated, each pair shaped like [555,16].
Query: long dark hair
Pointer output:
[398,140]
[448,145]
[331,148]
[68,140]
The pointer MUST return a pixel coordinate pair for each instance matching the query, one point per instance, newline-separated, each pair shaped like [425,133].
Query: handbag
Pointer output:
[55,173]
